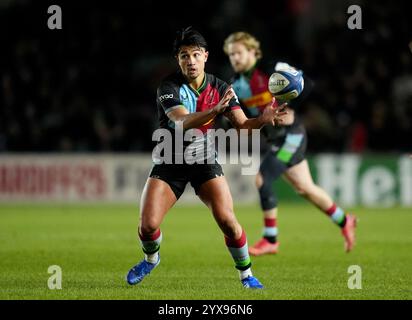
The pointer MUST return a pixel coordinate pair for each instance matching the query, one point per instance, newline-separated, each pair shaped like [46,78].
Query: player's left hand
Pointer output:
[273,115]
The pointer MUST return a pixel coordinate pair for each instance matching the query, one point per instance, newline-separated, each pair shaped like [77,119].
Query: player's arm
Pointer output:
[269,116]
[197,119]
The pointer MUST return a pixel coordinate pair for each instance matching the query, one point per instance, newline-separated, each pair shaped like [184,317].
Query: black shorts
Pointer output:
[284,155]
[178,175]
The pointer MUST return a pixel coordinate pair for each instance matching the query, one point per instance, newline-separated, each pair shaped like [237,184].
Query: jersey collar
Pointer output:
[248,73]
[199,91]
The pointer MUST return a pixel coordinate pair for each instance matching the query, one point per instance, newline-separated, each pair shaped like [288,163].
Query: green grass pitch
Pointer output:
[95,245]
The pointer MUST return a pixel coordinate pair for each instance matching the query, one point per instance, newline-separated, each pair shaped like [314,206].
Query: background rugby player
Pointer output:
[286,144]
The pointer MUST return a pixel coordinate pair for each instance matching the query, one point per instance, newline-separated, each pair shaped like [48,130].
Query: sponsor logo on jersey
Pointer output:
[165,96]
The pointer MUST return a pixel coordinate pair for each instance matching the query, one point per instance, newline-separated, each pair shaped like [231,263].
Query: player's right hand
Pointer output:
[224,102]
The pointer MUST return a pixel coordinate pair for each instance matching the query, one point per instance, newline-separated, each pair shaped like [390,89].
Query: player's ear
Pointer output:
[206,55]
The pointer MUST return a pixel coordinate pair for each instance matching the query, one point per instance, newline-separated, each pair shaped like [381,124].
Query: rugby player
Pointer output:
[191,98]
[287,145]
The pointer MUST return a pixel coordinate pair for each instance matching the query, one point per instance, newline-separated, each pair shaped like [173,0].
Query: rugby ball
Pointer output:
[286,84]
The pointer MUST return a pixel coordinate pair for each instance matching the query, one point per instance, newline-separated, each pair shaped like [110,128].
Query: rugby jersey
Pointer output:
[175,92]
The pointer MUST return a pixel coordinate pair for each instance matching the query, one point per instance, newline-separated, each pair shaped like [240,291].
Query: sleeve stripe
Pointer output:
[174,108]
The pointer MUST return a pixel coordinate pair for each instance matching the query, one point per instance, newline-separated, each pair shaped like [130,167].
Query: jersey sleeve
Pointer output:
[168,96]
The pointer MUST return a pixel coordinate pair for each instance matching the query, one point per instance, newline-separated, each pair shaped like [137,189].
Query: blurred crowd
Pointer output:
[91,86]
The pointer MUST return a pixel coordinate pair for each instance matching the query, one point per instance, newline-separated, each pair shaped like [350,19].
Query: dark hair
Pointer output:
[188,37]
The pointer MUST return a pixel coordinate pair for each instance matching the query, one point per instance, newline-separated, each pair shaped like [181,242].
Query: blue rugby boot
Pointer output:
[141,270]
[252,283]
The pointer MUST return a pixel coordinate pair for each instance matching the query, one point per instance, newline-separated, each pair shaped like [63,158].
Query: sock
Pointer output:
[151,245]
[243,274]
[270,231]
[152,258]
[337,215]
[239,251]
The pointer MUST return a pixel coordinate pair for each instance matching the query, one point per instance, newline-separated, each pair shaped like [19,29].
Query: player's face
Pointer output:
[192,61]
[241,58]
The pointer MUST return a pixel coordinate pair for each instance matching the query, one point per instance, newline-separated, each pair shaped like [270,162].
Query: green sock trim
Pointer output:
[244,268]
[341,219]
[151,251]
[342,222]
[243,263]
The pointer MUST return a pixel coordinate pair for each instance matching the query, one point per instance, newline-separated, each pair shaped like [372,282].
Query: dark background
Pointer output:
[91,86]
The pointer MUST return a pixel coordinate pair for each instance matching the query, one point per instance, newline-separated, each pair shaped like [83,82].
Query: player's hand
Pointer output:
[224,102]
[273,115]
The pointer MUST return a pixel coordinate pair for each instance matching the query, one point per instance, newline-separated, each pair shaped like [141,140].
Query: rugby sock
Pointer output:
[243,274]
[151,245]
[152,258]
[270,231]
[239,251]
[337,215]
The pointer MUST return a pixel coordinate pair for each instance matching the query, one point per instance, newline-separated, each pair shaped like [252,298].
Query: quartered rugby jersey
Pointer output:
[174,92]
[252,90]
